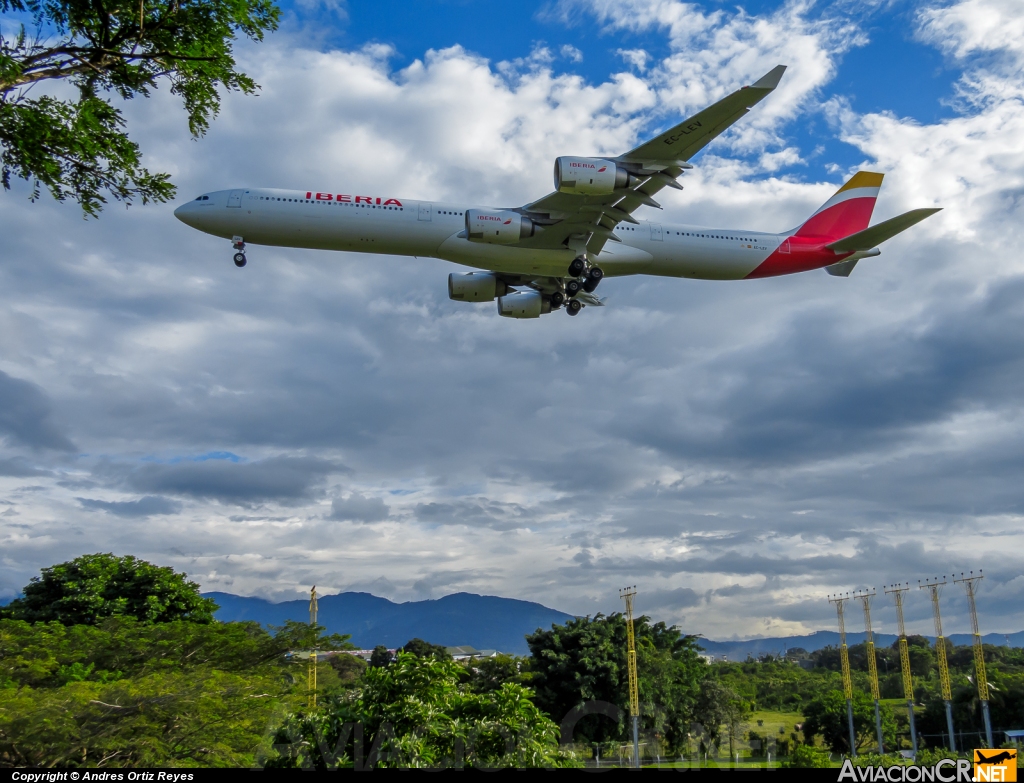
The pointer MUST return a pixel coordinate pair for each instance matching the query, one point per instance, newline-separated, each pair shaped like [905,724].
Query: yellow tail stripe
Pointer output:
[863,179]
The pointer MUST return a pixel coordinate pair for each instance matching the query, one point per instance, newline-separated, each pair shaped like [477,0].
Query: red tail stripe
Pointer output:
[841,220]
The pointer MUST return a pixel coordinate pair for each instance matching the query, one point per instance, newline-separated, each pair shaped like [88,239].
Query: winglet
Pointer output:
[771,79]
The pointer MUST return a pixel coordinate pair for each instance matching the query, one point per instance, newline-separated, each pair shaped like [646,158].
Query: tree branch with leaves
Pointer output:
[78,148]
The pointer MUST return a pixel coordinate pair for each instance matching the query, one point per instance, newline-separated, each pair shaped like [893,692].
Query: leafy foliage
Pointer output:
[809,756]
[414,714]
[78,148]
[424,649]
[125,693]
[490,674]
[585,660]
[294,635]
[92,587]
[827,716]
[381,656]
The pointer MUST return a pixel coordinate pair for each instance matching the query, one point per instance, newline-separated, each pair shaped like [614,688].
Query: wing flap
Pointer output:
[887,229]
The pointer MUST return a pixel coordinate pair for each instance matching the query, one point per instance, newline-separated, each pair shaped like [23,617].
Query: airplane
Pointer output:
[997,758]
[553,253]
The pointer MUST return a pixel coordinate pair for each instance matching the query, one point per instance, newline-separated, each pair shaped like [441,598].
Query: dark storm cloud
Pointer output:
[681,597]
[19,468]
[872,563]
[817,392]
[359,508]
[277,478]
[26,416]
[143,507]
[475,513]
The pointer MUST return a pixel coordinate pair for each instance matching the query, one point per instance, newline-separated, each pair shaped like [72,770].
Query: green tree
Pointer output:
[414,714]
[826,716]
[92,587]
[126,693]
[295,635]
[490,674]
[425,649]
[585,660]
[349,668]
[78,148]
[380,657]
[713,708]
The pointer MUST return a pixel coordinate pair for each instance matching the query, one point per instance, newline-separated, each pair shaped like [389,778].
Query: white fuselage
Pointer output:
[372,224]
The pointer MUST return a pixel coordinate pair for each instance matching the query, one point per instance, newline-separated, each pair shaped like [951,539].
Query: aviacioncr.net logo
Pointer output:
[995,765]
[945,771]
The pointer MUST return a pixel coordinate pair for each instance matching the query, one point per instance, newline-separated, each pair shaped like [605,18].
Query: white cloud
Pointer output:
[635,57]
[571,53]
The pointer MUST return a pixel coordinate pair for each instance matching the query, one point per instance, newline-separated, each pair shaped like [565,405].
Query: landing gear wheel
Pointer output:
[557,299]
[577,267]
[572,288]
[573,307]
[595,276]
[239,260]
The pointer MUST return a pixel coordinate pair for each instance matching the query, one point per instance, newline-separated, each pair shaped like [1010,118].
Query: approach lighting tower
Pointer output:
[869,649]
[897,591]
[311,675]
[627,594]
[844,657]
[969,583]
[933,585]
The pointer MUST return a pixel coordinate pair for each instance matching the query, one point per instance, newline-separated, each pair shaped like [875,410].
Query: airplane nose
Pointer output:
[185,212]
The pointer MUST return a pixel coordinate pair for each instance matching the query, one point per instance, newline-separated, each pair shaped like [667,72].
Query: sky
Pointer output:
[737,450]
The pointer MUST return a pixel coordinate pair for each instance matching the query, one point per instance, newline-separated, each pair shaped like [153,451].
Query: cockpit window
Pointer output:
[202,198]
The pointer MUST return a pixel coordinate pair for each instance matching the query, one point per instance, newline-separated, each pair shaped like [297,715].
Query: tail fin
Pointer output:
[848,211]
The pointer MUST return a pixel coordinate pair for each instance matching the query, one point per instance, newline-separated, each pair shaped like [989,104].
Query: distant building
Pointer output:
[367,654]
[466,653]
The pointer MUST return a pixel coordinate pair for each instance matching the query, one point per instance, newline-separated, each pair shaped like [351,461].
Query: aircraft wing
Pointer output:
[589,221]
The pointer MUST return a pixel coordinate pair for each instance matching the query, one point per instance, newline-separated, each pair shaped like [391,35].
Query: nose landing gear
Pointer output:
[239,245]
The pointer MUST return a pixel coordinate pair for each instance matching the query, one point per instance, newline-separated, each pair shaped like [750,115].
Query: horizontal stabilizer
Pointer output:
[590,299]
[887,229]
[843,268]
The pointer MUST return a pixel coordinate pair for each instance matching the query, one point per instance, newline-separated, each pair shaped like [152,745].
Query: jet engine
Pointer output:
[475,287]
[498,226]
[523,304]
[590,176]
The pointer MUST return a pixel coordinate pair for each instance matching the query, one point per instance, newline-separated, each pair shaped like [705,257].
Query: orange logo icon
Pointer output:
[995,765]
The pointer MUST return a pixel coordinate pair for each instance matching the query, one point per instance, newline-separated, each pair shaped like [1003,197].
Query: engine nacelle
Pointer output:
[523,304]
[475,287]
[497,226]
[590,176]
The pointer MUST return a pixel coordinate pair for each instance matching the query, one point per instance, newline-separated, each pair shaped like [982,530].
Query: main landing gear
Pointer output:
[591,277]
[239,246]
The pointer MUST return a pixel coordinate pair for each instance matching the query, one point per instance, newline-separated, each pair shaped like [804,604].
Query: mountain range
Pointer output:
[481,621]
[491,622]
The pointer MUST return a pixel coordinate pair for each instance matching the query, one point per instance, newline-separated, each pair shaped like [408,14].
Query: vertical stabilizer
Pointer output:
[848,211]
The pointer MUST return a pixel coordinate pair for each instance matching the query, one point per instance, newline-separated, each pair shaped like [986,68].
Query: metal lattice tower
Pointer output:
[627,594]
[869,649]
[933,586]
[979,654]
[844,657]
[311,674]
[897,591]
